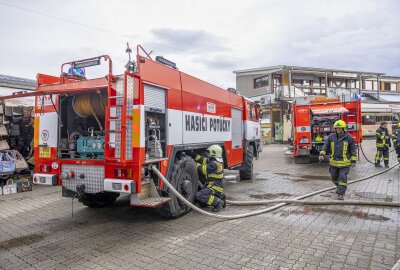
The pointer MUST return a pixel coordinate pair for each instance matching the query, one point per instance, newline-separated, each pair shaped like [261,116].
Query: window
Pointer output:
[322,82]
[386,86]
[277,79]
[251,112]
[302,82]
[260,82]
[368,85]
[368,119]
[351,83]
[389,86]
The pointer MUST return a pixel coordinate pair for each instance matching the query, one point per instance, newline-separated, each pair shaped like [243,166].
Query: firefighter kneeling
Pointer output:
[340,145]
[211,171]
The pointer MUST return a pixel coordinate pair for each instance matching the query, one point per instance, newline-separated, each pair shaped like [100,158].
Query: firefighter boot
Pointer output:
[223,198]
[340,197]
[218,206]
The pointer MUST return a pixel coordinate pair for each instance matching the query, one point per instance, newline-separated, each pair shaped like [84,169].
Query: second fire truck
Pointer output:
[312,121]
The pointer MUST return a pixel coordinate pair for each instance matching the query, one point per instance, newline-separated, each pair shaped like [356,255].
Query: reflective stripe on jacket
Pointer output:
[341,149]
[380,135]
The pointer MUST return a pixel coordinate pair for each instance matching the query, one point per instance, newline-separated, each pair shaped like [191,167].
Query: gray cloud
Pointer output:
[188,40]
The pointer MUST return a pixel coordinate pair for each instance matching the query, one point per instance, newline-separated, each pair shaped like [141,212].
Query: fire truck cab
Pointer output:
[98,138]
[313,118]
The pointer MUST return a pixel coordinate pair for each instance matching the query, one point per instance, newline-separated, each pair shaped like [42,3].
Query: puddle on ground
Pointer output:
[372,195]
[305,177]
[21,241]
[267,196]
[326,195]
[281,173]
[355,213]
[315,177]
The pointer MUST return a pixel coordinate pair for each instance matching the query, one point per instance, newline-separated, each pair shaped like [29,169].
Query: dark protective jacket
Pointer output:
[382,137]
[212,171]
[341,149]
[395,137]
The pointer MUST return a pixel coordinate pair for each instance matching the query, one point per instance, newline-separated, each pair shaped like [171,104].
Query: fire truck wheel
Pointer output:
[185,179]
[246,173]
[99,200]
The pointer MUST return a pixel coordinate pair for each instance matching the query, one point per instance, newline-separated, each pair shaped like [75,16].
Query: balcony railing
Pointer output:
[286,93]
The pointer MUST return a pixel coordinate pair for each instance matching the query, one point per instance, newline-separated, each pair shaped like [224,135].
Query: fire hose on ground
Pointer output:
[280,202]
[362,151]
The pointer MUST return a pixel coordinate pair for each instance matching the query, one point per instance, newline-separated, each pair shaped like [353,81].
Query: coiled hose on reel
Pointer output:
[91,104]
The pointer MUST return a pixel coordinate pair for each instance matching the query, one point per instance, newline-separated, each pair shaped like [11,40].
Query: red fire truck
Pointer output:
[313,118]
[98,138]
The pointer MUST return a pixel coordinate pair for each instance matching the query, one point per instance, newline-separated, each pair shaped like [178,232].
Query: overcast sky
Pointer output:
[207,39]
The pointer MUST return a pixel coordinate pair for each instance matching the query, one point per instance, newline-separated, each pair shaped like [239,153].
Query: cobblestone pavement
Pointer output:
[38,232]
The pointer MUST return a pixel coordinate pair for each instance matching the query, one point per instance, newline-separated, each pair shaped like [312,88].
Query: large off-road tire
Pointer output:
[99,200]
[302,159]
[246,171]
[185,179]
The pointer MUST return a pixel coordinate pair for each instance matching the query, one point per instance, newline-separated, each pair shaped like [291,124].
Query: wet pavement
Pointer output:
[37,230]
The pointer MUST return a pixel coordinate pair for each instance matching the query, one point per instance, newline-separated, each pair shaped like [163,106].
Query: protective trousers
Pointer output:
[398,153]
[382,152]
[207,196]
[339,178]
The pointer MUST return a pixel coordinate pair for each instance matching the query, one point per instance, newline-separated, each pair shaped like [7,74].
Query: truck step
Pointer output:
[151,202]
[113,159]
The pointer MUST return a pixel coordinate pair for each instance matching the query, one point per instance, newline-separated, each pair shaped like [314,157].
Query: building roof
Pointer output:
[272,69]
[17,82]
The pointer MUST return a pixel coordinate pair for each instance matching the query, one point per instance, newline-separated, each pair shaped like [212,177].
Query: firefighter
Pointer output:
[211,169]
[340,145]
[396,141]
[382,145]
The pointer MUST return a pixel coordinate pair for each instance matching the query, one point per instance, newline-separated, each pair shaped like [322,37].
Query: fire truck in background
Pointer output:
[98,138]
[313,118]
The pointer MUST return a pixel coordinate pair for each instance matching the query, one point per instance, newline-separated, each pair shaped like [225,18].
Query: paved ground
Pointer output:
[38,232]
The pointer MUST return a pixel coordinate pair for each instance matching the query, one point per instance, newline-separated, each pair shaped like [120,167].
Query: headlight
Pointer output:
[99,145]
[94,145]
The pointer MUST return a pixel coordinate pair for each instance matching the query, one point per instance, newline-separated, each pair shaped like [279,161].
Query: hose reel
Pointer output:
[91,104]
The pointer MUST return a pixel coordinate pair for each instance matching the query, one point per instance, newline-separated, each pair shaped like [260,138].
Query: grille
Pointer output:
[93,181]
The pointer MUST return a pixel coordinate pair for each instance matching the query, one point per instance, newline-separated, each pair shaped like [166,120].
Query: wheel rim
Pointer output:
[185,188]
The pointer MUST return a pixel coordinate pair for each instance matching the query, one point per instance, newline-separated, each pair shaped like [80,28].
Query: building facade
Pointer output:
[276,87]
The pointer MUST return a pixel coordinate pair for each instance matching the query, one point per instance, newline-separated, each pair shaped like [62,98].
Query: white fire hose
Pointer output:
[280,202]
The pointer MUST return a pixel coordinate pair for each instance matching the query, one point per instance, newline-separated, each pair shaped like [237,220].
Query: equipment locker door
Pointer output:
[237,138]
[237,128]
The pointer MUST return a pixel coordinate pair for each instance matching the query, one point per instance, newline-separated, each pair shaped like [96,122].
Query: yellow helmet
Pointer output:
[319,138]
[215,151]
[340,124]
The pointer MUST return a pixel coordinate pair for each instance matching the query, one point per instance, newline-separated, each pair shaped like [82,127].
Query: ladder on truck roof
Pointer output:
[118,126]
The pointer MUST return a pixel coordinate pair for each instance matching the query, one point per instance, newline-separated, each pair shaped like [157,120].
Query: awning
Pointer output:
[328,109]
[375,108]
